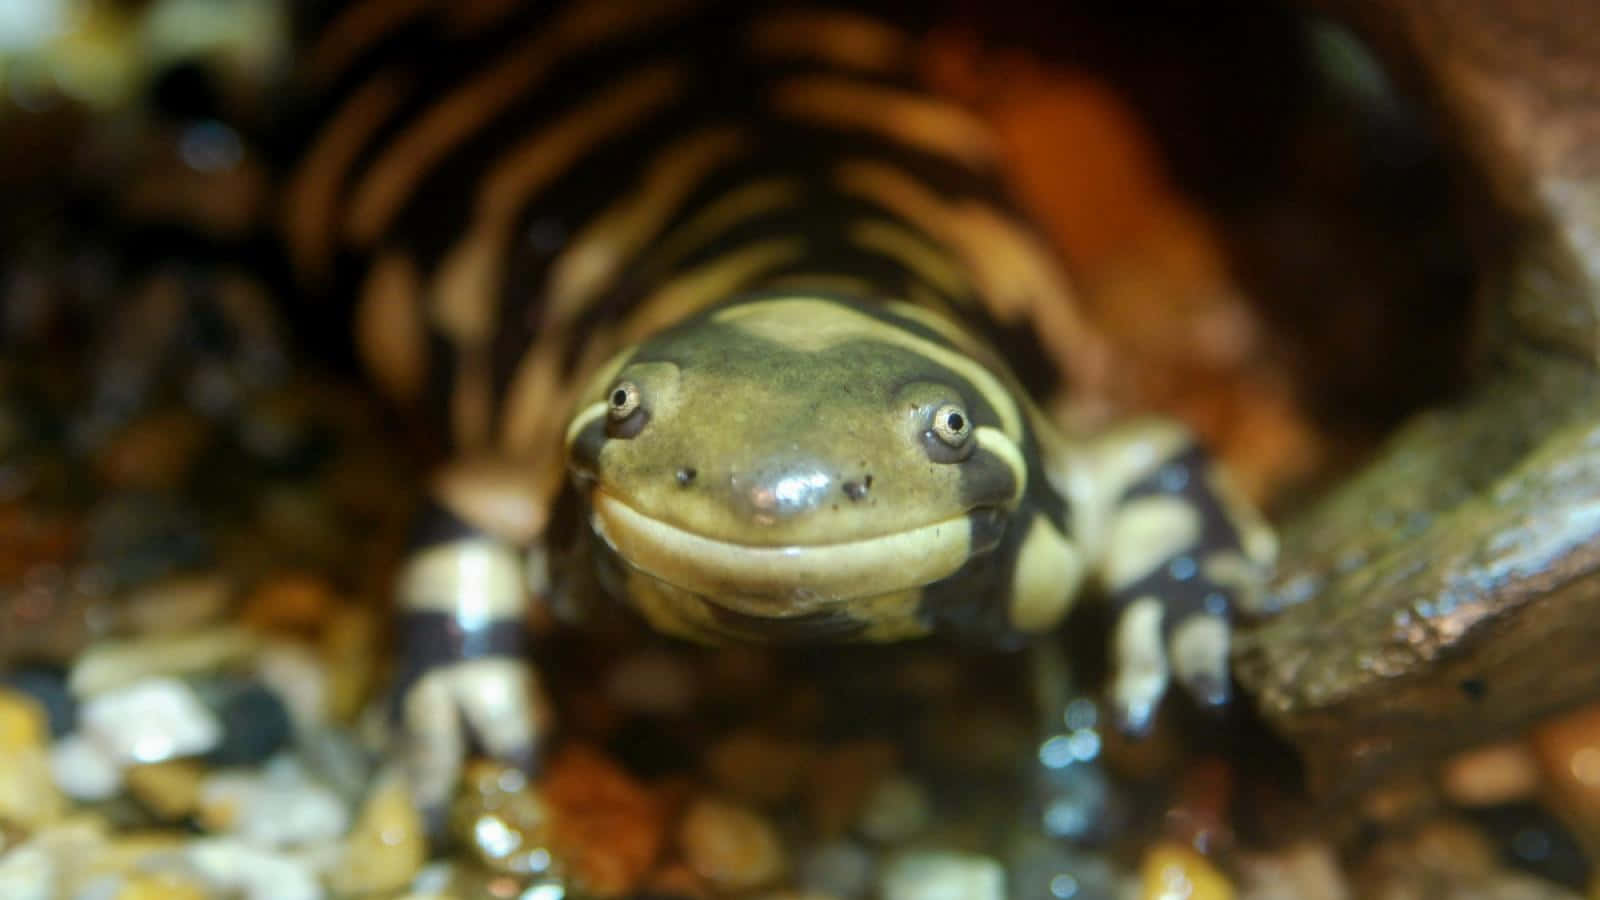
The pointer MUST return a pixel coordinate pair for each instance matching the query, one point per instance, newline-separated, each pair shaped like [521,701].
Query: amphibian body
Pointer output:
[731,284]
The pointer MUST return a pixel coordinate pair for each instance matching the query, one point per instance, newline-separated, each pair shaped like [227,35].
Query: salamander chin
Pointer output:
[788,581]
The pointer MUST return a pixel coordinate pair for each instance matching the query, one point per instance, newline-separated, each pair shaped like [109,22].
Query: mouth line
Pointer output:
[795,579]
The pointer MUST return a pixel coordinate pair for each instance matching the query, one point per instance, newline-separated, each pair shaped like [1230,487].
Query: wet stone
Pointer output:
[1491,775]
[253,873]
[842,868]
[1307,870]
[23,721]
[294,675]
[48,688]
[843,778]
[177,604]
[731,846]
[160,887]
[759,768]
[84,770]
[387,847]
[897,809]
[1568,750]
[609,830]
[934,875]
[503,820]
[1174,872]
[170,790]
[113,665]
[255,722]
[1044,868]
[151,720]
[277,807]
[657,683]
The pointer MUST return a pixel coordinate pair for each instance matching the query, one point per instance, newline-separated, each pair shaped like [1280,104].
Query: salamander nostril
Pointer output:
[857,490]
[686,475]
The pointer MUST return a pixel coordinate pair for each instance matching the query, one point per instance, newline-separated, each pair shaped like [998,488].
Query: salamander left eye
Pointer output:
[625,410]
[951,425]
[623,401]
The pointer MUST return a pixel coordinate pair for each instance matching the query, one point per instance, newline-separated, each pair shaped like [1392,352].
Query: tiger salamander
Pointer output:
[731,283]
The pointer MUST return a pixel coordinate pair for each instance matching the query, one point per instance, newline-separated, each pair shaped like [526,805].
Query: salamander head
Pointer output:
[782,458]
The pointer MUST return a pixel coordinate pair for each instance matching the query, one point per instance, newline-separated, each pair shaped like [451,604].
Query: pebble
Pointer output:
[83,770]
[1044,868]
[150,721]
[1487,776]
[843,778]
[176,604]
[228,864]
[295,675]
[757,767]
[160,887]
[255,723]
[1173,871]
[609,828]
[170,790]
[657,683]
[48,688]
[731,846]
[111,665]
[841,868]
[279,807]
[154,451]
[938,875]
[503,820]
[297,604]
[896,809]
[1308,870]
[1568,748]
[387,847]
[29,797]
[23,721]
[28,873]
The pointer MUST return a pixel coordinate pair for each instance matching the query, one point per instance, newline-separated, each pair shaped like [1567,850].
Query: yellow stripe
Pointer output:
[1017,275]
[915,119]
[911,251]
[814,324]
[396,173]
[356,28]
[720,215]
[706,284]
[468,281]
[612,239]
[391,334]
[844,39]
[312,198]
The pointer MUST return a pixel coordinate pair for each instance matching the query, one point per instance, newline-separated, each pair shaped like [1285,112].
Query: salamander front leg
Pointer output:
[466,681]
[1182,552]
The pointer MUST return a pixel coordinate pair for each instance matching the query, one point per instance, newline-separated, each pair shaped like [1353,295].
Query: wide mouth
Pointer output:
[781,580]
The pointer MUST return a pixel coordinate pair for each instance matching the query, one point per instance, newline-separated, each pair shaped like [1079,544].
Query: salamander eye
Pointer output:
[623,401]
[951,425]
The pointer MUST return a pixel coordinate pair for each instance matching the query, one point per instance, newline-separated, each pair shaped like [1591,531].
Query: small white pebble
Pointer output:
[150,721]
[931,875]
[27,872]
[234,866]
[82,770]
[279,808]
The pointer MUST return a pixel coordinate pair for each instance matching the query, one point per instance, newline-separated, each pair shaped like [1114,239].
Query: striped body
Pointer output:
[765,300]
